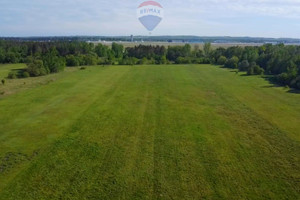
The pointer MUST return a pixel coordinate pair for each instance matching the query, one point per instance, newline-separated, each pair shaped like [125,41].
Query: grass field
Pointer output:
[149,132]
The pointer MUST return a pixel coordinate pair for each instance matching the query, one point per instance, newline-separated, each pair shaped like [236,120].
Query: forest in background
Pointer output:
[280,62]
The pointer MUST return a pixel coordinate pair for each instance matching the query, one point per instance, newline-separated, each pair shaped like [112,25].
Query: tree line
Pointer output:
[280,61]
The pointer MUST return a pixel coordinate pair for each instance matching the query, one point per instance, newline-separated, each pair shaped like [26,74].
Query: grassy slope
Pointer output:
[151,132]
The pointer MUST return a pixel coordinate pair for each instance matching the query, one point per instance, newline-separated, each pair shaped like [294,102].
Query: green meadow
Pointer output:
[148,132]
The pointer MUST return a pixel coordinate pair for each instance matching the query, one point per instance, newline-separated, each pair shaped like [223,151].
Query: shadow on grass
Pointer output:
[294,91]
[19,72]
[272,80]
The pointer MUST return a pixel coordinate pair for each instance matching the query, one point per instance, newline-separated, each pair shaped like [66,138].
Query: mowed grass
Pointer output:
[150,132]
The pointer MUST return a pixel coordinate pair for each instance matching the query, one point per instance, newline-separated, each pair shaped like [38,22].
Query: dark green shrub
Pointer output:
[250,71]
[11,57]
[25,74]
[296,82]
[255,69]
[161,60]
[222,60]
[55,65]
[72,61]
[183,60]
[244,65]
[143,61]
[90,59]
[37,68]
[258,70]
[129,61]
[12,75]
[232,63]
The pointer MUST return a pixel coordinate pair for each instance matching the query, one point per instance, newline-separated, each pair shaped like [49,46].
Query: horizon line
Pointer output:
[108,36]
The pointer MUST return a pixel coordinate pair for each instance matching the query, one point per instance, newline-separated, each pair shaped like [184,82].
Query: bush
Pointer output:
[37,68]
[244,65]
[72,61]
[143,61]
[232,63]
[3,81]
[90,59]
[255,69]
[111,62]
[222,60]
[250,71]
[82,68]
[183,60]
[258,70]
[161,60]
[25,74]
[205,61]
[129,61]
[28,59]
[12,75]
[101,61]
[296,82]
[55,64]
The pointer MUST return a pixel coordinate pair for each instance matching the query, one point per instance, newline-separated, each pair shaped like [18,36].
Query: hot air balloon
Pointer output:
[150,14]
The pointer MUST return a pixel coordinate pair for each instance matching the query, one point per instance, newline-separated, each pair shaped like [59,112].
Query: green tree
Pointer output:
[178,51]
[118,50]
[250,54]
[187,50]
[232,63]
[90,59]
[53,62]
[2,55]
[101,50]
[37,68]
[234,51]
[11,57]
[207,49]
[292,69]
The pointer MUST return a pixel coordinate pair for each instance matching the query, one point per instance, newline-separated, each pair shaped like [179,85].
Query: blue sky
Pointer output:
[264,18]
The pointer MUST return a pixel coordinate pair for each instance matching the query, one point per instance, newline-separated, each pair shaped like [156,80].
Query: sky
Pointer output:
[254,18]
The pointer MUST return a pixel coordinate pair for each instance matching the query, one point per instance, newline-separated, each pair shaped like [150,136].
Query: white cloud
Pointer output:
[277,18]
